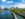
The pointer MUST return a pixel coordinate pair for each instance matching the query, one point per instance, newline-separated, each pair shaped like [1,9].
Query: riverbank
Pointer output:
[17,16]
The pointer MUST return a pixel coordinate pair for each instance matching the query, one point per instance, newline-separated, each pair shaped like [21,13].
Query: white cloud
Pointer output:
[22,0]
[3,0]
[9,1]
[2,6]
[20,5]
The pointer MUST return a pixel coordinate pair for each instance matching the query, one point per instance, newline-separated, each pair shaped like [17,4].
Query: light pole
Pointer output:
[0,8]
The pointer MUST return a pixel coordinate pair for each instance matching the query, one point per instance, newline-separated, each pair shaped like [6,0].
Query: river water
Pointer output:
[8,15]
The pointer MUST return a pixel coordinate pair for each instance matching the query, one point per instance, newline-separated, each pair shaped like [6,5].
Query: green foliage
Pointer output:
[18,10]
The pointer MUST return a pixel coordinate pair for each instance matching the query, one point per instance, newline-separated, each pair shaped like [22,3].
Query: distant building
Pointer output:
[5,8]
[17,8]
[12,7]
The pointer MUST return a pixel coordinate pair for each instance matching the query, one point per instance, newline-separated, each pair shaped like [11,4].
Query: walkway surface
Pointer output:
[17,16]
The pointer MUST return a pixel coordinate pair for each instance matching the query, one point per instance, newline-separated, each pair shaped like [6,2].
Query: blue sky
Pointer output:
[13,3]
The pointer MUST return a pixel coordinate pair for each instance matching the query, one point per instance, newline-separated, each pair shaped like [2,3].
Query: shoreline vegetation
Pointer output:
[20,12]
[20,15]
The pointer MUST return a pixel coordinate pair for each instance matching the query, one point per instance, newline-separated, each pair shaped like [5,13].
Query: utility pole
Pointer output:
[0,4]
[0,7]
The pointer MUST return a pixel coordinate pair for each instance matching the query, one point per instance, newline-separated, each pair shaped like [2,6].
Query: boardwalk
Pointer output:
[17,16]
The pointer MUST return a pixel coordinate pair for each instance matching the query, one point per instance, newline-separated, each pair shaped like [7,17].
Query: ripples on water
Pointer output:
[6,13]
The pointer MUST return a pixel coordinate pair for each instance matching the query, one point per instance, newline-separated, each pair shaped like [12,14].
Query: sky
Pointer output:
[12,3]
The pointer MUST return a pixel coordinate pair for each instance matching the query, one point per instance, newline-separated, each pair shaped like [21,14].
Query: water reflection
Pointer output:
[6,15]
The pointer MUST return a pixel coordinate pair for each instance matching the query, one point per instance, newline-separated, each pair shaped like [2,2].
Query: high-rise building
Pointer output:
[12,7]
[17,8]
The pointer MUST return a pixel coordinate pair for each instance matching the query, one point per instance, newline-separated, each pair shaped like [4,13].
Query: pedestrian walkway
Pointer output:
[17,16]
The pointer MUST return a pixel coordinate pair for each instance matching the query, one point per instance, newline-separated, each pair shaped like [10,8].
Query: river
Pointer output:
[8,15]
